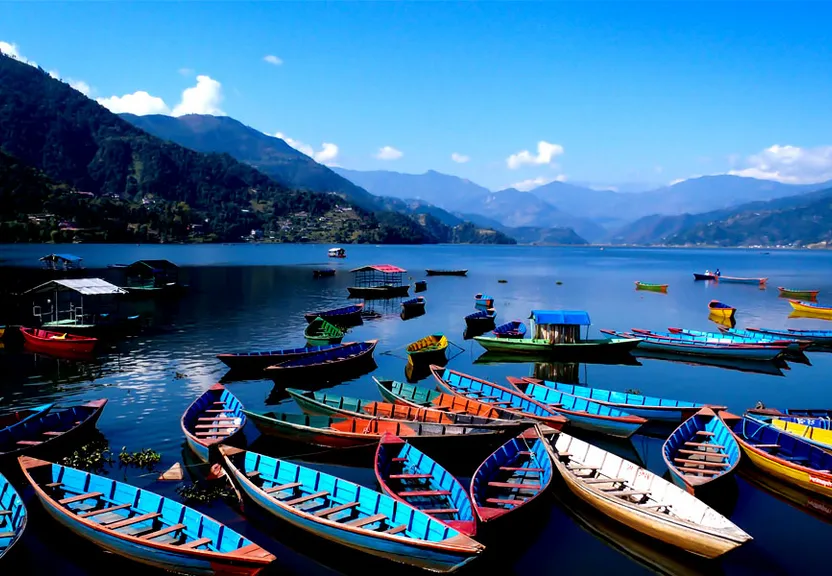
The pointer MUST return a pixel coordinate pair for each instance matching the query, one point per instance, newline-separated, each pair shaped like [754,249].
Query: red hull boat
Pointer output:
[46,341]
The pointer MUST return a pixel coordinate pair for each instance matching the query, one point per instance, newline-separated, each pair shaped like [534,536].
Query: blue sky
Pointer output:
[617,92]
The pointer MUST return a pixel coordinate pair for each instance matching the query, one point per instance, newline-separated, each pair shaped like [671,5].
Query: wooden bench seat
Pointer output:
[603,480]
[215,411]
[196,543]
[699,471]
[28,442]
[769,446]
[359,522]
[307,498]
[520,469]
[80,498]
[440,510]
[415,493]
[525,453]
[289,486]
[705,445]
[704,433]
[701,462]
[516,485]
[703,452]
[507,501]
[54,484]
[627,493]
[163,531]
[398,459]
[133,520]
[103,511]
[52,433]
[329,511]
[7,534]
[253,473]
[396,529]
[215,419]
[5,513]
[410,476]
[210,426]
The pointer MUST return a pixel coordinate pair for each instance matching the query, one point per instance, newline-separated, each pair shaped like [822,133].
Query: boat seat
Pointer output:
[576,466]
[54,484]
[410,476]
[557,405]
[329,511]
[414,493]
[603,480]
[525,453]
[218,426]
[216,419]
[704,433]
[705,445]
[163,531]
[517,485]
[700,471]
[656,505]
[51,433]
[103,511]
[28,442]
[80,498]
[520,469]
[359,522]
[307,498]
[700,462]
[290,486]
[133,520]
[252,473]
[703,452]
[397,529]
[216,411]
[196,543]
[398,459]
[506,501]
[767,446]
[4,535]
[439,510]
[501,403]
[621,493]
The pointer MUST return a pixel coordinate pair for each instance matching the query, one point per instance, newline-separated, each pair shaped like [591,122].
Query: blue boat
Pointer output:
[412,477]
[12,516]
[344,316]
[513,329]
[213,418]
[12,420]
[791,347]
[414,304]
[346,513]
[752,336]
[326,362]
[648,407]
[815,417]
[823,337]
[700,452]
[141,525]
[483,301]
[693,348]
[481,320]
[581,412]
[260,360]
[512,477]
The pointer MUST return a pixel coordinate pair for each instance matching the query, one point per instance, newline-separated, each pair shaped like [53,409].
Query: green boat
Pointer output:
[651,287]
[319,332]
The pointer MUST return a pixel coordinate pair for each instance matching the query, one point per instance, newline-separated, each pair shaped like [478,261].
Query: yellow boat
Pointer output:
[718,309]
[820,437]
[429,349]
[811,309]
[2,332]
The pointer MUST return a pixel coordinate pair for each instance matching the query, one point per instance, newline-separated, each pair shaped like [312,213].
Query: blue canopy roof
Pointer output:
[67,257]
[564,317]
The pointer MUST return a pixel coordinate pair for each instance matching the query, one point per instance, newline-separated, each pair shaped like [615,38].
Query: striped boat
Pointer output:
[820,337]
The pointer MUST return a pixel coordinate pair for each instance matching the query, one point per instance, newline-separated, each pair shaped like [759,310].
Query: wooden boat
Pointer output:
[435,272]
[46,341]
[323,404]
[483,301]
[412,477]
[319,332]
[513,476]
[539,346]
[323,273]
[818,337]
[413,304]
[12,516]
[736,280]
[213,418]
[697,276]
[259,361]
[651,287]
[788,457]
[47,431]
[700,452]
[642,500]
[326,361]
[804,307]
[349,514]
[346,431]
[418,397]
[465,386]
[141,525]
[420,286]
[580,412]
[819,436]
[651,341]
[721,310]
[481,319]
[647,407]
[791,293]
[739,335]
[801,415]
[344,316]
[17,418]
[427,350]
[513,329]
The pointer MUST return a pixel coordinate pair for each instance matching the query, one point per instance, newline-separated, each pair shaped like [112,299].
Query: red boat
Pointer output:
[46,341]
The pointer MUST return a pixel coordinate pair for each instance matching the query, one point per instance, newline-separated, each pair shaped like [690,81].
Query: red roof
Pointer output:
[385,268]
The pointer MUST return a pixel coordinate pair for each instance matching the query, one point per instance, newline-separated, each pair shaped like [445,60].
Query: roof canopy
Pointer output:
[385,268]
[563,317]
[64,257]
[154,264]
[84,286]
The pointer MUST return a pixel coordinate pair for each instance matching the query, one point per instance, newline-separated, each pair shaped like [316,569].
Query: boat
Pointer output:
[816,431]
[45,431]
[647,407]
[344,316]
[513,329]
[651,287]
[817,337]
[645,502]
[721,310]
[378,281]
[420,286]
[419,397]
[349,431]
[410,476]
[62,262]
[580,412]
[435,272]
[17,418]
[428,350]
[414,305]
[801,415]
[323,404]
[259,361]
[807,308]
[483,301]
[783,455]
[12,516]
[736,280]
[481,320]
[706,276]
[141,525]
[2,331]
[323,273]
[146,278]
[465,386]
[700,452]
[213,418]
[791,293]
[750,336]
[349,514]
[512,477]
[57,342]
[319,332]
[326,361]
[336,253]
[650,341]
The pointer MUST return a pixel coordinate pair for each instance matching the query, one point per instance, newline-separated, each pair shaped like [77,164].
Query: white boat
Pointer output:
[337,253]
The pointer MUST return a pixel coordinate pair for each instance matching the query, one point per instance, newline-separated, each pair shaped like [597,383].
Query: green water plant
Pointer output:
[146,458]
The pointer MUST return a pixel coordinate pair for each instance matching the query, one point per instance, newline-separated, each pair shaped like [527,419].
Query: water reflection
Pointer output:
[757,367]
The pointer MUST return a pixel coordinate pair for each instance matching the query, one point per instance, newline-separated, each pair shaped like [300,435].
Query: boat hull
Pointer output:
[703,276]
[823,311]
[734,280]
[13,521]
[78,345]
[431,272]
[530,346]
[259,361]
[651,287]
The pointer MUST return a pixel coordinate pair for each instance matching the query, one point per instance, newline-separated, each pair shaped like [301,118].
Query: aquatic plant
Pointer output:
[204,493]
[91,456]
[144,459]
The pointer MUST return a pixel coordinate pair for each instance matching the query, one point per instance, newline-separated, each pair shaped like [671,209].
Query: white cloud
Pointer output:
[139,103]
[789,164]
[460,158]
[326,155]
[674,182]
[204,98]
[532,183]
[186,71]
[388,153]
[545,153]
[80,85]
[272,59]
[11,49]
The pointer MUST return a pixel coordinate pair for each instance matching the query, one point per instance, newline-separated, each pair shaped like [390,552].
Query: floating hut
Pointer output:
[62,262]
[558,326]
[148,277]
[337,253]
[378,281]
[78,305]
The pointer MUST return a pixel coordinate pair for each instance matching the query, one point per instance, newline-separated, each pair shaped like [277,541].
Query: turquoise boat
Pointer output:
[349,514]
[648,407]
[215,417]
[141,525]
[581,412]
[12,516]
[700,452]
[412,477]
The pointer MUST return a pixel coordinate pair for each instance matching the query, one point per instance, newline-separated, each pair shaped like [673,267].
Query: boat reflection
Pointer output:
[417,372]
[722,321]
[753,366]
[326,380]
[408,314]
[812,504]
[504,358]
[809,316]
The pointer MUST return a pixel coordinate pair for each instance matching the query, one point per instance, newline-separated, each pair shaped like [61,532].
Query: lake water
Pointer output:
[252,297]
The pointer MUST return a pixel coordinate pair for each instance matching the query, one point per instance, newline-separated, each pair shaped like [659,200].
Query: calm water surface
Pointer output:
[249,297]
